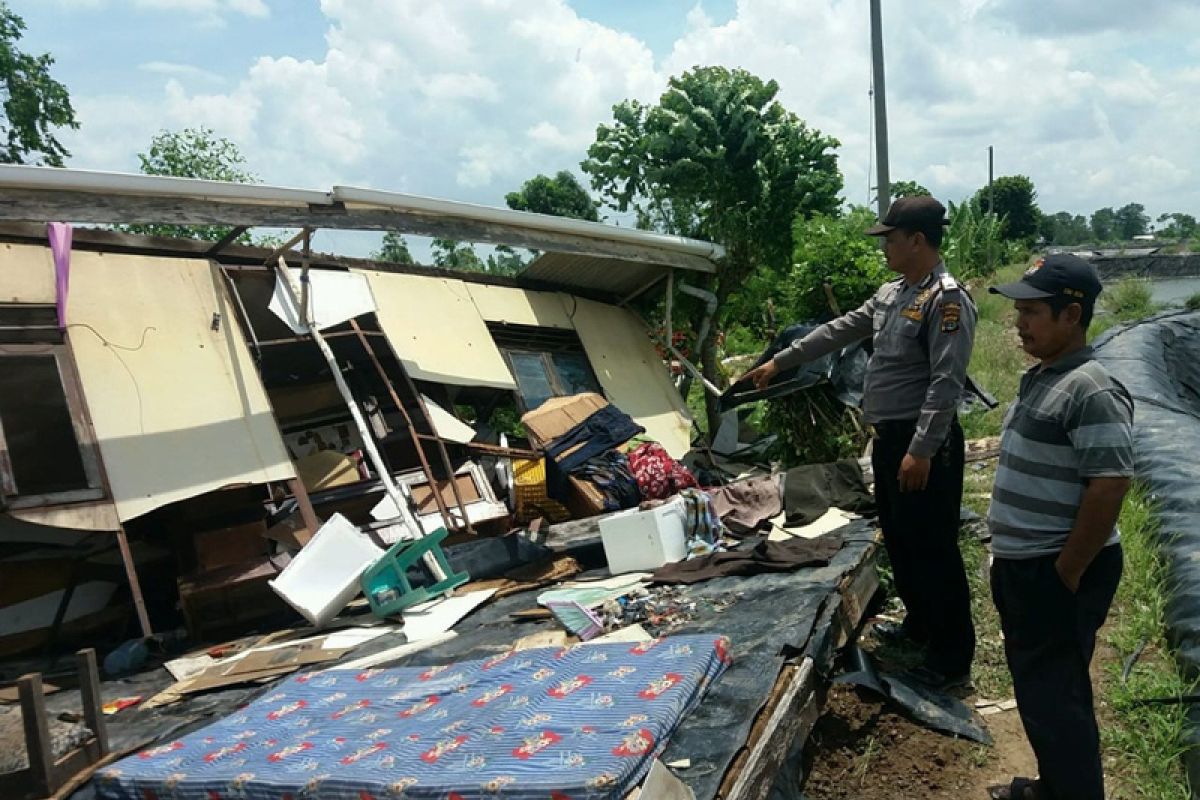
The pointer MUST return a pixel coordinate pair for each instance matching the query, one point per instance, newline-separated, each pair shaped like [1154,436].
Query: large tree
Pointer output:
[1131,220]
[34,103]
[1177,226]
[1064,228]
[1014,198]
[193,153]
[717,158]
[394,249]
[560,196]
[1104,224]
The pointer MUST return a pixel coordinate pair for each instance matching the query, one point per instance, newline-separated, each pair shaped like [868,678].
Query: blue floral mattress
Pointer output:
[580,722]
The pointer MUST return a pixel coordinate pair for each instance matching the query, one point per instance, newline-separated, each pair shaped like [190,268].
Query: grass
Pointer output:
[1143,745]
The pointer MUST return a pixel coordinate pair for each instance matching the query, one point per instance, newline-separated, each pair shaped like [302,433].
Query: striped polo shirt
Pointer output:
[1071,421]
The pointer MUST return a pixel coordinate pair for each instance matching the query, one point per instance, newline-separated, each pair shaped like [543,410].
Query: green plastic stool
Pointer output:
[386,585]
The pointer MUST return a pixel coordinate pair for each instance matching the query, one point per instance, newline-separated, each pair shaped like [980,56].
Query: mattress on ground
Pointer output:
[579,722]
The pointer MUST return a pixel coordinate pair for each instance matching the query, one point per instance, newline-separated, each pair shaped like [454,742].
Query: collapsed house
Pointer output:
[178,419]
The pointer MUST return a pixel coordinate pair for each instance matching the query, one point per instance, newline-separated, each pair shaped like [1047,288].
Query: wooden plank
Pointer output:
[37,734]
[89,694]
[773,734]
[797,699]
[135,586]
[33,205]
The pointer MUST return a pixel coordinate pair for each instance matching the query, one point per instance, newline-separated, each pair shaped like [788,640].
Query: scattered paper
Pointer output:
[438,616]
[189,666]
[831,520]
[333,298]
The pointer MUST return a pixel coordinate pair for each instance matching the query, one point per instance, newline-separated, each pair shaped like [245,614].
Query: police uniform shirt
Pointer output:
[922,338]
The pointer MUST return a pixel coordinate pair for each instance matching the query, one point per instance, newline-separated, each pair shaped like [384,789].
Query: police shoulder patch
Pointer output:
[950,314]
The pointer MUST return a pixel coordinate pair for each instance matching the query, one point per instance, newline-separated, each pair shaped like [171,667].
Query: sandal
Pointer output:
[1018,789]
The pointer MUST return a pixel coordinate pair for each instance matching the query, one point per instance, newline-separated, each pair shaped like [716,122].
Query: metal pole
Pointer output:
[991,175]
[884,186]
[398,498]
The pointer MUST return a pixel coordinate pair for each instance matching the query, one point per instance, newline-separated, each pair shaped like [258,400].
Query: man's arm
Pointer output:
[1100,426]
[951,338]
[833,335]
[1098,512]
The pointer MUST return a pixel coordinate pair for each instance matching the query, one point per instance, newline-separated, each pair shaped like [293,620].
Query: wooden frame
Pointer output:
[85,439]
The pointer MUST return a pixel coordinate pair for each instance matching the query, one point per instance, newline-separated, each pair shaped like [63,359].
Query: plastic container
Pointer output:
[323,577]
[639,541]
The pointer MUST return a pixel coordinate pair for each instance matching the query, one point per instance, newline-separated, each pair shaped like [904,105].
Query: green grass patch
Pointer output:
[1143,745]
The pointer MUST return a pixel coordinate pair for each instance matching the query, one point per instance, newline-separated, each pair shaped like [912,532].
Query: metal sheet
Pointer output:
[175,400]
[437,331]
[612,276]
[633,376]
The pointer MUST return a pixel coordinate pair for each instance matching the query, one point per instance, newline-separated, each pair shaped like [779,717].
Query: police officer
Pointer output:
[922,326]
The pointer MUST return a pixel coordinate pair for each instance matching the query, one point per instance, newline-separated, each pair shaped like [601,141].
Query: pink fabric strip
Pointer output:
[59,234]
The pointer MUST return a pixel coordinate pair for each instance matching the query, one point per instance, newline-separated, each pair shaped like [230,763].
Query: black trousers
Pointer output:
[1049,637]
[920,532]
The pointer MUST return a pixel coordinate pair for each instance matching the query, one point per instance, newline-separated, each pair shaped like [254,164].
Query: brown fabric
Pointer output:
[811,490]
[530,576]
[767,556]
[744,505]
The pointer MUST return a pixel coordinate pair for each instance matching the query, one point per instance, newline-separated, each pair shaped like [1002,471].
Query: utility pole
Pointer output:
[884,186]
[991,174]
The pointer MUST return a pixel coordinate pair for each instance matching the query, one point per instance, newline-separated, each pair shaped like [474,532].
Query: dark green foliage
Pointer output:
[1064,228]
[1104,224]
[394,250]
[34,103]
[1014,199]
[193,153]
[720,159]
[814,427]
[560,196]
[1177,226]
[1131,221]
[452,254]
[833,250]
[908,189]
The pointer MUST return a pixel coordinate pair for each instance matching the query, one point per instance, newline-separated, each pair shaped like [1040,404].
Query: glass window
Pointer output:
[574,373]
[533,378]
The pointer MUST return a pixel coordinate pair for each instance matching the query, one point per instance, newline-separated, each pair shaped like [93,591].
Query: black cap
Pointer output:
[1059,275]
[911,214]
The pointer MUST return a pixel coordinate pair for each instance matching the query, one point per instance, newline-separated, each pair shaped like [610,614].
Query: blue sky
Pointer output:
[467,98]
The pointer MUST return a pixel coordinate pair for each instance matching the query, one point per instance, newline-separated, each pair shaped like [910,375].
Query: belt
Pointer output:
[891,427]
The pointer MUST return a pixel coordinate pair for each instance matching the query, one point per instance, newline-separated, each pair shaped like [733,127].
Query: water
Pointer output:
[1174,292]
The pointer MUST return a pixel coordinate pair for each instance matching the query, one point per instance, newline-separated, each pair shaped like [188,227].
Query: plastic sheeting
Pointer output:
[1157,361]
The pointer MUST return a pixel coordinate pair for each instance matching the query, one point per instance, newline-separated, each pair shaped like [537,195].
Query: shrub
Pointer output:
[832,250]
[1193,303]
[974,245]
[1129,299]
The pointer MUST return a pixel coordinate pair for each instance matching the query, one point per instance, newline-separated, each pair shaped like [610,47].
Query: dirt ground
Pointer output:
[865,748]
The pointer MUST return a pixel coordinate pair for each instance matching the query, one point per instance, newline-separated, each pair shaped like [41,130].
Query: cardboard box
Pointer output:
[558,415]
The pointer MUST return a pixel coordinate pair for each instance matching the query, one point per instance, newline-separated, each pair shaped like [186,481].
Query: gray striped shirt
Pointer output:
[1071,421]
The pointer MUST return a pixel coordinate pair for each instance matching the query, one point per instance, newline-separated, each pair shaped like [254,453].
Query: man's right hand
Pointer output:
[761,376]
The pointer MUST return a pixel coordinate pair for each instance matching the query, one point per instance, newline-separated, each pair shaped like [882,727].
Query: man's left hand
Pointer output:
[914,473]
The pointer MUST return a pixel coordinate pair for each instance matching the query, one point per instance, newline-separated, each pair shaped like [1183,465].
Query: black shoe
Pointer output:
[896,633]
[937,680]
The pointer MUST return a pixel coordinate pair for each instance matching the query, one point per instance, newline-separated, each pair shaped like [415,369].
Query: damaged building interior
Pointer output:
[213,454]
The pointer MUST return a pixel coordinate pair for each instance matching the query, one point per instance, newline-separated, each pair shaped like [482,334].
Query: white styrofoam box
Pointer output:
[638,541]
[323,577]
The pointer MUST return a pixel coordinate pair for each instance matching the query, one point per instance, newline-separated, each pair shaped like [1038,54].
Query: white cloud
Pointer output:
[180,70]
[468,98]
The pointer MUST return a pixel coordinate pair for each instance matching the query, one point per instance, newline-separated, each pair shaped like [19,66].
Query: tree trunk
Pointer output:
[708,348]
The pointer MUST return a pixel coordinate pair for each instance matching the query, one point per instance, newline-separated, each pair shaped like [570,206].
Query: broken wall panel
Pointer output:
[26,274]
[437,331]
[176,402]
[632,374]
[523,307]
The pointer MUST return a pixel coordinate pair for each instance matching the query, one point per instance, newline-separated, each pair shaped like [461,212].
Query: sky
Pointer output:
[1095,100]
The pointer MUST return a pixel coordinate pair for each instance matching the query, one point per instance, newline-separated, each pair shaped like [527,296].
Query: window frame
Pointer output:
[85,438]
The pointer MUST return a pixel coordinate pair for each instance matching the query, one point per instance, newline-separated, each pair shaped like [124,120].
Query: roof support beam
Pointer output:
[38,205]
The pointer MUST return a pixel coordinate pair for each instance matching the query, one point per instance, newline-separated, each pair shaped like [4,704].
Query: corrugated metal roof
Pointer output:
[611,276]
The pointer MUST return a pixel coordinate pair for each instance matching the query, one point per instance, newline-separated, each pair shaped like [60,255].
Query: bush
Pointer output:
[1193,303]
[1129,299]
[974,245]
[832,250]
[814,427]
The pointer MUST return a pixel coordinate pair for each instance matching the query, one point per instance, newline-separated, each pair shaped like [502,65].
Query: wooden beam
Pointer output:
[135,586]
[300,492]
[37,733]
[227,240]
[31,205]
[93,702]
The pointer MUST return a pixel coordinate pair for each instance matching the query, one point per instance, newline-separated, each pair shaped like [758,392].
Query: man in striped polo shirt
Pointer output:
[1066,458]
